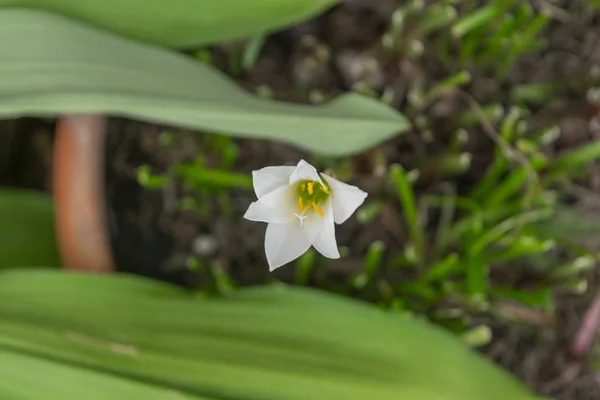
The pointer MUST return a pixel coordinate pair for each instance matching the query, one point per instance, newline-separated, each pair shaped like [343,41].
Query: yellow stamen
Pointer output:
[310,188]
[300,205]
[325,189]
[303,187]
[317,209]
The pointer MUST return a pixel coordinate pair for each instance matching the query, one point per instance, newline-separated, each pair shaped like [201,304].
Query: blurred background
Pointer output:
[476,138]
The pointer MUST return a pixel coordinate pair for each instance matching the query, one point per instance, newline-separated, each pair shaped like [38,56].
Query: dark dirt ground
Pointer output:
[153,237]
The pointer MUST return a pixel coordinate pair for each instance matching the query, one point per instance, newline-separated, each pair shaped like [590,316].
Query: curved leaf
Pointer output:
[51,66]
[182,23]
[268,343]
[50,380]
[27,236]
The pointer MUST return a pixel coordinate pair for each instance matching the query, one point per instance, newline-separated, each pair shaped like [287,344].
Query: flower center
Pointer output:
[311,195]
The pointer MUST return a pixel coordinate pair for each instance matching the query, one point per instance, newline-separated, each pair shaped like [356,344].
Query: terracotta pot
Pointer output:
[79,196]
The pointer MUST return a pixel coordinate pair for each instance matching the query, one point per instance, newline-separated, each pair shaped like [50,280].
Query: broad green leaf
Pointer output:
[58,66]
[30,377]
[268,343]
[27,236]
[182,23]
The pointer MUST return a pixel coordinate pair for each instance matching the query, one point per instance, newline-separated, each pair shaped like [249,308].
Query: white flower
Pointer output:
[300,206]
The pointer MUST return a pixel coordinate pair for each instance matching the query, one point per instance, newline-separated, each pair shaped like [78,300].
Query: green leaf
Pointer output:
[540,297]
[569,223]
[27,229]
[181,23]
[58,66]
[51,380]
[510,224]
[441,269]
[406,196]
[572,159]
[200,176]
[252,51]
[272,343]
[477,19]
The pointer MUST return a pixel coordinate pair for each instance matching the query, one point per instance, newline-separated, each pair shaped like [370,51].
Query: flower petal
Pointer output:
[267,179]
[320,231]
[284,243]
[346,199]
[274,207]
[304,171]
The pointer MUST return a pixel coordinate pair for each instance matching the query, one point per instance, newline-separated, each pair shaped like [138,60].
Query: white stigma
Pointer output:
[301,217]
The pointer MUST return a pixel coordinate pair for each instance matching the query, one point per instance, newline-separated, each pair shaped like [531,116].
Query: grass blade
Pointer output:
[406,196]
[574,159]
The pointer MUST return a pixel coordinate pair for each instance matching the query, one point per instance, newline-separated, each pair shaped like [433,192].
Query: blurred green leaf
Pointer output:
[568,223]
[148,180]
[259,343]
[478,219]
[477,274]
[305,267]
[576,266]
[445,165]
[575,158]
[510,224]
[372,264]
[27,232]
[541,297]
[369,211]
[479,336]
[181,23]
[515,183]
[478,18]
[31,377]
[493,113]
[441,269]
[406,196]
[214,178]
[59,66]
[491,179]
[460,79]
[435,17]
[523,245]
[252,51]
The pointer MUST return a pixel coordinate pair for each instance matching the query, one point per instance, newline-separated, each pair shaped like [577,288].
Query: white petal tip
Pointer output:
[271,268]
[250,211]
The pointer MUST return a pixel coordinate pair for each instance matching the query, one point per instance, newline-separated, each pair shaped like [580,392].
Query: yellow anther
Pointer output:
[300,205]
[310,187]
[303,187]
[325,189]
[317,209]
